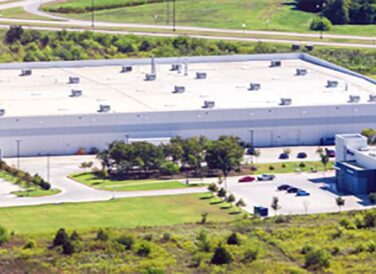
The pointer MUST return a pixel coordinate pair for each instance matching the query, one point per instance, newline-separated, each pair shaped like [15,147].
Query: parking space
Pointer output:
[320,186]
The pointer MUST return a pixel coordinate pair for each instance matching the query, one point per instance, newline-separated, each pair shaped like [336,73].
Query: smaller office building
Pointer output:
[355,164]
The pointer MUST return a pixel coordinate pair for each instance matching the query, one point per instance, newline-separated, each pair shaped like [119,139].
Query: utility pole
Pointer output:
[92,13]
[18,142]
[174,15]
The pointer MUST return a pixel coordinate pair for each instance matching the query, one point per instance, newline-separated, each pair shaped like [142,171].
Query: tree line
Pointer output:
[20,45]
[340,12]
[196,155]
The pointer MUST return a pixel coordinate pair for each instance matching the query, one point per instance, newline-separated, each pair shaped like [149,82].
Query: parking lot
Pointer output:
[320,186]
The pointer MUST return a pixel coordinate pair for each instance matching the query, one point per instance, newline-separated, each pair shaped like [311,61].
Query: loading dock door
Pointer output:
[286,138]
[263,138]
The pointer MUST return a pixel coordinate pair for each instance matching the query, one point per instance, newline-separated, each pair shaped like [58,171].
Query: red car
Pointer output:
[246,179]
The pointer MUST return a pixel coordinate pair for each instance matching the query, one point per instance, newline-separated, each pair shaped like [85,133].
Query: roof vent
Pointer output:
[125,69]
[2,112]
[209,104]
[301,72]
[104,108]
[354,99]
[179,89]
[74,80]
[254,86]
[372,98]
[275,63]
[285,101]
[76,93]
[25,72]
[331,84]
[201,75]
[150,77]
[175,67]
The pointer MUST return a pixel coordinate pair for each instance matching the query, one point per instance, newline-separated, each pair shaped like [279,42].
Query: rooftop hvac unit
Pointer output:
[372,98]
[301,72]
[76,93]
[150,77]
[354,99]
[331,84]
[25,72]
[275,63]
[104,108]
[254,86]
[309,47]
[295,47]
[209,104]
[125,69]
[285,101]
[175,67]
[74,80]
[2,112]
[201,75]
[179,89]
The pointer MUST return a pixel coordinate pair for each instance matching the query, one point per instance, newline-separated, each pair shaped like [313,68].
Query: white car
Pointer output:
[265,177]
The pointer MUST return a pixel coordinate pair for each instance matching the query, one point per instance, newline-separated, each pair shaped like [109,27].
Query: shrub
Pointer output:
[283,165]
[222,193]
[61,237]
[359,248]
[4,236]
[148,237]
[166,237]
[75,236]
[126,241]
[102,235]
[250,255]
[370,220]
[233,239]
[30,244]
[144,250]
[320,24]
[338,233]
[317,259]
[335,250]
[271,168]
[306,248]
[204,216]
[302,165]
[221,256]
[371,246]
[69,248]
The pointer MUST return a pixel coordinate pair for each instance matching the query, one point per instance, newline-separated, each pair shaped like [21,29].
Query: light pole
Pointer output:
[251,131]
[18,142]
[92,13]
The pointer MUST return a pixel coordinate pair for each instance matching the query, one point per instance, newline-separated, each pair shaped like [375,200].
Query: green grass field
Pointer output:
[275,15]
[129,212]
[92,180]
[290,167]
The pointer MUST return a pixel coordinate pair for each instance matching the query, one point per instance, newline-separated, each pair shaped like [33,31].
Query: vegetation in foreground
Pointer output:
[325,243]
[31,45]
[236,14]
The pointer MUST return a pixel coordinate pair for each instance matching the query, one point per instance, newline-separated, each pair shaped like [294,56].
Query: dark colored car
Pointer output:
[330,153]
[265,177]
[246,179]
[283,156]
[292,190]
[283,187]
[301,155]
[302,192]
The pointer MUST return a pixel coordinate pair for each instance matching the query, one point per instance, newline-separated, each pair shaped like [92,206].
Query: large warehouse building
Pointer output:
[268,100]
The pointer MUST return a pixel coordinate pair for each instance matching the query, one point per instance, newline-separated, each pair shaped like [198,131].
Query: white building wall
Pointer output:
[265,127]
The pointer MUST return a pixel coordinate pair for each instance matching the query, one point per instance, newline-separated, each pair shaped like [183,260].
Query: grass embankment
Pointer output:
[20,13]
[291,167]
[92,180]
[252,14]
[27,190]
[124,213]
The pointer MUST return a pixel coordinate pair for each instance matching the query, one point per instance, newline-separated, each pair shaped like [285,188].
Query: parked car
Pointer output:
[246,179]
[283,156]
[330,153]
[302,192]
[301,155]
[292,190]
[283,187]
[265,177]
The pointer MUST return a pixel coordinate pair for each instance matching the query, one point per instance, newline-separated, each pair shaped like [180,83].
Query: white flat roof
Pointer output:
[47,92]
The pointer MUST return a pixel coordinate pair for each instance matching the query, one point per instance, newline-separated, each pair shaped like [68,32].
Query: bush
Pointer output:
[166,237]
[102,235]
[371,246]
[4,236]
[320,24]
[221,256]
[126,241]
[75,236]
[233,239]
[144,250]
[306,249]
[302,165]
[148,237]
[30,244]
[61,237]
[317,259]
[335,250]
[69,248]
[250,255]
[370,220]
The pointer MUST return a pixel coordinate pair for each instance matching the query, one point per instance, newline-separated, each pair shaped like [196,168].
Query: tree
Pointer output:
[221,256]
[204,216]
[4,236]
[193,152]
[320,24]
[61,237]
[320,151]
[224,154]
[324,160]
[170,168]
[340,202]
[233,239]
[75,236]
[337,11]
[13,34]
[256,153]
[213,188]
[275,205]
[222,193]
[230,199]
[69,247]
[372,197]
[241,203]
